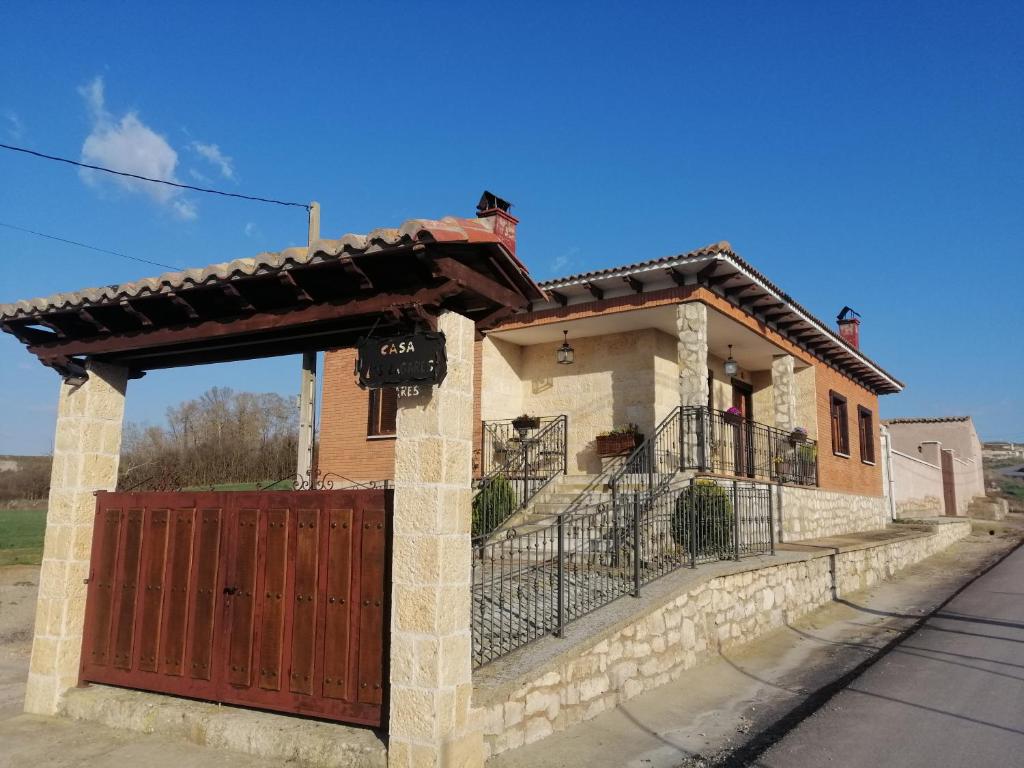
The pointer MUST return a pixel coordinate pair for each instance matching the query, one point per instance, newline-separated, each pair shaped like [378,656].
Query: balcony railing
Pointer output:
[720,443]
[723,443]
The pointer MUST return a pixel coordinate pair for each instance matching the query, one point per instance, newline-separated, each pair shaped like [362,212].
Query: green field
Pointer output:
[21,536]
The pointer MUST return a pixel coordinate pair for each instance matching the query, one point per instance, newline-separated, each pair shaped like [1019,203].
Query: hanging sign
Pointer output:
[398,361]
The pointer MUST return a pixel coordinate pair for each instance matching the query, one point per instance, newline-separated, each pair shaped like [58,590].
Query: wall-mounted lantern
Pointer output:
[731,366]
[566,355]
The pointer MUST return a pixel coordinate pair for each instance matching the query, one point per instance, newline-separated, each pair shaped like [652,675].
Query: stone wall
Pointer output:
[812,513]
[680,631]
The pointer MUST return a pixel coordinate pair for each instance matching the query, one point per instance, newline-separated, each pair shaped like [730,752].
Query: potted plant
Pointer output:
[798,435]
[732,416]
[525,422]
[619,441]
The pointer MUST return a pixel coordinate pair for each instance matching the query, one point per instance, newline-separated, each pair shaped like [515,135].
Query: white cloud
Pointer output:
[559,263]
[251,230]
[217,158]
[127,144]
[13,125]
[202,178]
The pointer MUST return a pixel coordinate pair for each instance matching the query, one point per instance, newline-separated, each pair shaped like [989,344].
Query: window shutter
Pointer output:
[388,410]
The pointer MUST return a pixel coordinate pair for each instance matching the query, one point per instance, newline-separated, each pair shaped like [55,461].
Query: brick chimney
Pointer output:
[504,225]
[849,327]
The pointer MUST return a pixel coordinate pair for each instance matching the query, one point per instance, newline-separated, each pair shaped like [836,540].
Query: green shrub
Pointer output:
[493,505]
[715,521]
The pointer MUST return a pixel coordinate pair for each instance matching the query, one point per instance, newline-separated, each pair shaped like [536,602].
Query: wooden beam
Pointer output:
[491,319]
[28,335]
[133,311]
[596,292]
[350,268]
[677,277]
[730,292]
[787,324]
[558,298]
[708,270]
[90,318]
[776,305]
[53,327]
[260,322]
[471,280]
[633,283]
[721,279]
[287,279]
[232,292]
[181,303]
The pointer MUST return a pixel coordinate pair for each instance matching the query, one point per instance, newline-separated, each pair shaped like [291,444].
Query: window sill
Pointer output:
[869,463]
[381,437]
[841,455]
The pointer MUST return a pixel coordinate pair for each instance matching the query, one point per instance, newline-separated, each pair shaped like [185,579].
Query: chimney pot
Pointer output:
[502,223]
[849,326]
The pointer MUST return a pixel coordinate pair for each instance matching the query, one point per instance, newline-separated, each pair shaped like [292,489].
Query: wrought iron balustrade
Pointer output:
[519,464]
[529,584]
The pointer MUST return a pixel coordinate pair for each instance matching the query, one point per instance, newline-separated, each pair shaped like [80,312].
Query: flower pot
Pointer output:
[732,418]
[796,438]
[526,422]
[618,445]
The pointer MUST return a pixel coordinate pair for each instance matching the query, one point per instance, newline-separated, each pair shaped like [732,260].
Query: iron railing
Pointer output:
[725,443]
[522,464]
[717,442]
[529,584]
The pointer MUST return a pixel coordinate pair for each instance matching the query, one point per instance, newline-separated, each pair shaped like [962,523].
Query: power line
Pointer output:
[90,247]
[155,181]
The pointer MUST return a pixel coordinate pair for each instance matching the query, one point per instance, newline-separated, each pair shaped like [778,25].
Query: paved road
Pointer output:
[951,694]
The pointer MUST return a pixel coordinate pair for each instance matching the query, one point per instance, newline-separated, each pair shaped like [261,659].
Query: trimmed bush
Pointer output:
[493,505]
[710,506]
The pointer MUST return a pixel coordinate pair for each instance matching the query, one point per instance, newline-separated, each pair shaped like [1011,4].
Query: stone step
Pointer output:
[292,740]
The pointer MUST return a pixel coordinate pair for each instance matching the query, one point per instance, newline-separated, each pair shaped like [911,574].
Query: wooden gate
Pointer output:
[275,600]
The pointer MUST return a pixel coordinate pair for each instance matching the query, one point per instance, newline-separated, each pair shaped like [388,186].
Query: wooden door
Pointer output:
[275,600]
[743,401]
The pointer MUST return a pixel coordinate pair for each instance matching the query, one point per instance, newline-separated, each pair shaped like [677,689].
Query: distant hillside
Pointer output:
[24,477]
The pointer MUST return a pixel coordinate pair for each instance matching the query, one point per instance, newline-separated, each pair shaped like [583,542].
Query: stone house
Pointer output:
[695,335]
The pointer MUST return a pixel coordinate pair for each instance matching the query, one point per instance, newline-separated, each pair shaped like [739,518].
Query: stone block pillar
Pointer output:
[431,720]
[784,391]
[86,452]
[692,353]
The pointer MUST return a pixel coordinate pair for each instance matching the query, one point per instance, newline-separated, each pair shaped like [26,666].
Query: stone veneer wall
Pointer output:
[812,513]
[722,613]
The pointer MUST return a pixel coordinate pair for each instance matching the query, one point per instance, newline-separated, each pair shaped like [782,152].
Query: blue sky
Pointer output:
[868,154]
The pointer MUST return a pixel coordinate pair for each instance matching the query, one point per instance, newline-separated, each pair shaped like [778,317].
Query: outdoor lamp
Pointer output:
[566,355]
[731,366]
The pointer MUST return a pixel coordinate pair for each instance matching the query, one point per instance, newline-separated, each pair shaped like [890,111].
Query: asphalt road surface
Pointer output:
[951,694]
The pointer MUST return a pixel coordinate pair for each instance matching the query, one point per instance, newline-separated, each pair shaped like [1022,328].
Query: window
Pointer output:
[867,435]
[383,409]
[840,427]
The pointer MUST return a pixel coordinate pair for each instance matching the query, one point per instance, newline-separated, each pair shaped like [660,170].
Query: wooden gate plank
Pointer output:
[306,602]
[176,592]
[274,598]
[241,601]
[371,611]
[127,588]
[101,582]
[336,631]
[204,597]
[154,548]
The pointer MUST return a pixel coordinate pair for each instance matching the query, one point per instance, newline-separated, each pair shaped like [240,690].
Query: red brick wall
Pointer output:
[344,412]
[838,473]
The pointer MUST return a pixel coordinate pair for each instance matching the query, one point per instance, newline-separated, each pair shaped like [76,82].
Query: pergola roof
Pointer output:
[323,296]
[718,268]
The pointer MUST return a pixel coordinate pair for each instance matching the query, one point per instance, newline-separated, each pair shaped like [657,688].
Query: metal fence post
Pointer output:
[692,514]
[771,519]
[565,444]
[636,545]
[560,618]
[702,458]
[736,517]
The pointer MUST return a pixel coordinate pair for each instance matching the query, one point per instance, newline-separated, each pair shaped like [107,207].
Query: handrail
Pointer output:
[533,464]
[666,442]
